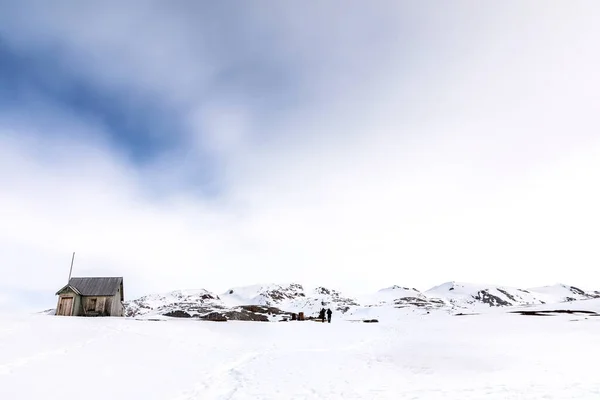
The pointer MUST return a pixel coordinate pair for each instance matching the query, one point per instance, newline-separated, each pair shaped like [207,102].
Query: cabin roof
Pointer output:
[105,286]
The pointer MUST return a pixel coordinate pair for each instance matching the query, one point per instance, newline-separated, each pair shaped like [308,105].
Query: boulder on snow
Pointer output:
[244,315]
[263,309]
[177,314]
[235,315]
[214,316]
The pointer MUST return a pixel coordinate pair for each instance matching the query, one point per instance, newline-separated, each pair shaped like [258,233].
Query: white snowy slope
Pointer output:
[473,296]
[264,295]
[399,296]
[561,293]
[193,302]
[291,297]
[589,306]
[429,357]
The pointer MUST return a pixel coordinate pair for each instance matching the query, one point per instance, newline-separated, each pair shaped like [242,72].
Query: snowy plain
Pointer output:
[493,355]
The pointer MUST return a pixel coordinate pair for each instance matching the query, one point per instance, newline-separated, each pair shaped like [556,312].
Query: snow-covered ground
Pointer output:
[434,356]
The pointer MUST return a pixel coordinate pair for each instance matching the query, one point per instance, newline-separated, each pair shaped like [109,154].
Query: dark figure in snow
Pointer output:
[322,315]
[329,312]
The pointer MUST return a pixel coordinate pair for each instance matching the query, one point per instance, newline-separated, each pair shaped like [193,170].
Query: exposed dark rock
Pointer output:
[214,316]
[322,290]
[178,314]
[508,295]
[578,291]
[292,291]
[420,302]
[493,301]
[371,321]
[549,313]
[263,310]
[244,315]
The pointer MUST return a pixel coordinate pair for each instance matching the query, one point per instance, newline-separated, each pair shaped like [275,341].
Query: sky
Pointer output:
[351,145]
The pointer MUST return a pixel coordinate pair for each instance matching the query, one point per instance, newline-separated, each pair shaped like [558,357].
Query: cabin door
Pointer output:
[66,306]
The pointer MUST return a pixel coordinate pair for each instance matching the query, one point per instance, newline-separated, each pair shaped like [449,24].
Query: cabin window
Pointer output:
[92,304]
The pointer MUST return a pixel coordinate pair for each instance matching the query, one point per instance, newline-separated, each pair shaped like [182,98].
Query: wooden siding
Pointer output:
[65,306]
[76,303]
[91,305]
[117,306]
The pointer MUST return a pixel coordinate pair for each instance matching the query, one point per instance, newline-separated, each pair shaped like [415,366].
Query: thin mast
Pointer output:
[71,271]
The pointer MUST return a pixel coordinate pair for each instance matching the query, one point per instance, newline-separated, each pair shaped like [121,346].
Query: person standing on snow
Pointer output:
[329,312]
[322,315]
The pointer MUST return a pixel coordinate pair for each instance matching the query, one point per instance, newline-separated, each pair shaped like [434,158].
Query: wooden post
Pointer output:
[71,271]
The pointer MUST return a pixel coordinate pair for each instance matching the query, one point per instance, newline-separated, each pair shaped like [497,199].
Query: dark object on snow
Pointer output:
[549,313]
[329,312]
[322,315]
[371,321]
[300,316]
[178,314]
[214,316]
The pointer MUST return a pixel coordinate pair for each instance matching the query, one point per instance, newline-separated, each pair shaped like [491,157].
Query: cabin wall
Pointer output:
[77,305]
[97,305]
[117,304]
[104,306]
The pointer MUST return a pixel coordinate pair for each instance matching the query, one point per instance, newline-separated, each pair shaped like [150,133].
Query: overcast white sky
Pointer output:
[193,145]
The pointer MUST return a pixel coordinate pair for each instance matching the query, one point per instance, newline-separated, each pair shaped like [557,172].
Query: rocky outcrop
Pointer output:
[419,302]
[215,317]
[178,314]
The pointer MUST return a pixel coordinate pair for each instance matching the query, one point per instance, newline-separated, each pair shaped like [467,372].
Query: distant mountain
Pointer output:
[292,297]
[562,293]
[192,302]
[466,295]
[274,302]
[256,302]
[400,297]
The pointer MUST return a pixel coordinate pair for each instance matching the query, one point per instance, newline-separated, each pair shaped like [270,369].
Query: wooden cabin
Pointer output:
[91,297]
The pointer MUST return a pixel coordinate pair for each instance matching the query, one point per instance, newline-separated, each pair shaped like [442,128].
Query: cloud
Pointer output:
[347,146]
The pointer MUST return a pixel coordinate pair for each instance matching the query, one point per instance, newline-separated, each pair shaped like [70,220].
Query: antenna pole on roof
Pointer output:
[71,271]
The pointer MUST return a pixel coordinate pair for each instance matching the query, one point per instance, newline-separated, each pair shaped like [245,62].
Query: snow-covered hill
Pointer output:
[562,293]
[274,302]
[399,297]
[256,302]
[466,295]
[192,302]
[291,297]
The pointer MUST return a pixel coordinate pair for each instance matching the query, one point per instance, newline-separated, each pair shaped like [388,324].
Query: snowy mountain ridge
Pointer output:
[274,301]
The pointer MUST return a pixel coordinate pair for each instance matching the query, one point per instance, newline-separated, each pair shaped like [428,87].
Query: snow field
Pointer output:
[436,356]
